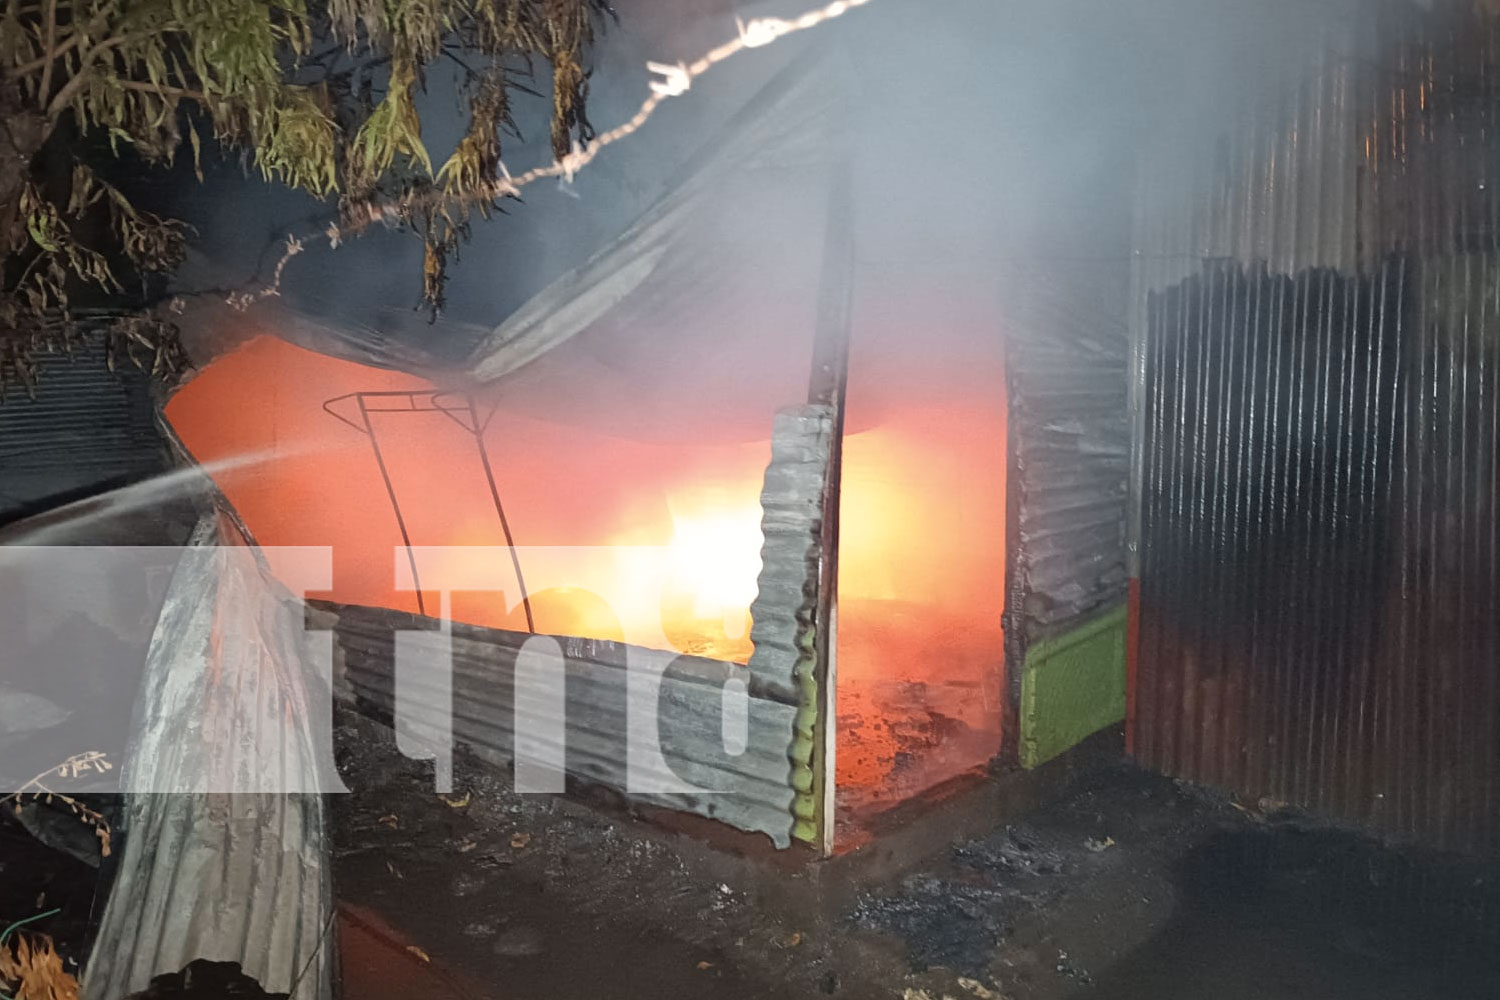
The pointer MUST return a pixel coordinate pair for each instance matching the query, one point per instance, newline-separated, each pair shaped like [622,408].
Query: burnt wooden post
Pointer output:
[829,388]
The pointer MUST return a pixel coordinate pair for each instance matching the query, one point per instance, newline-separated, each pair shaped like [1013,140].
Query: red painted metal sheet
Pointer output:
[1132,660]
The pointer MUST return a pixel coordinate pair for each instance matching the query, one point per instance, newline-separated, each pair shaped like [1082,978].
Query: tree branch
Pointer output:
[58,50]
[42,62]
[51,48]
[64,96]
[164,91]
[86,56]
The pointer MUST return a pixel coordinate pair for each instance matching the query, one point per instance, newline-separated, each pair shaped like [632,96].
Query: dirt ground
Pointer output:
[1127,885]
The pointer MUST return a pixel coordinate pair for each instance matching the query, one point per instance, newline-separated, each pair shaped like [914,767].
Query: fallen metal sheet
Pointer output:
[224,855]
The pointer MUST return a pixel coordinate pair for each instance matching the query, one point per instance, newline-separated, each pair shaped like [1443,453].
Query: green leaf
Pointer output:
[40,226]
[197,144]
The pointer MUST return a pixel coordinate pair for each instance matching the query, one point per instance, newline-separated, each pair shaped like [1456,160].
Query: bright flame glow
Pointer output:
[715,556]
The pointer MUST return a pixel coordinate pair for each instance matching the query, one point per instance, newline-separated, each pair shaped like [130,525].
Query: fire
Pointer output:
[674,518]
[715,554]
[706,574]
[922,548]
[712,566]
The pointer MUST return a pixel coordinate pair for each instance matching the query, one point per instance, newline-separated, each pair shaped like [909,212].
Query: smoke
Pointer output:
[982,139]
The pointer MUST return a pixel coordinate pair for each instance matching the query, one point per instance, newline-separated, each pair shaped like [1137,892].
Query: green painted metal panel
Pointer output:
[1072,686]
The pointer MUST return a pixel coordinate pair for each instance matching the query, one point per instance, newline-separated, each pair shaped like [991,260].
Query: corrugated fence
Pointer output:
[87,426]
[481,704]
[1317,428]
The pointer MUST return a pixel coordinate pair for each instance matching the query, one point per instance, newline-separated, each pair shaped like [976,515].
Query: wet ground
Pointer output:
[1132,887]
[514,897]
[1127,886]
[1284,912]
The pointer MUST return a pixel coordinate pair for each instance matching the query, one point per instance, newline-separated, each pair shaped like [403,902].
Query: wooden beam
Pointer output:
[829,387]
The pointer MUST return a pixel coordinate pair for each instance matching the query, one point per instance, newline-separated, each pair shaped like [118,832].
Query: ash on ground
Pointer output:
[1125,886]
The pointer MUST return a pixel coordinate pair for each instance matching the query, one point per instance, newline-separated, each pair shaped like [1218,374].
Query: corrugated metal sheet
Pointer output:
[87,426]
[784,613]
[1066,360]
[751,791]
[1067,346]
[225,856]
[1074,686]
[768,788]
[1318,424]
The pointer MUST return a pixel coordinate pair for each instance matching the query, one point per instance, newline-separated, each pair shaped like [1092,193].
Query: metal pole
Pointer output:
[385,475]
[489,477]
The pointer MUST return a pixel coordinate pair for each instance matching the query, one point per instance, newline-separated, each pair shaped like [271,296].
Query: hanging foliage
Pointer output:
[319,96]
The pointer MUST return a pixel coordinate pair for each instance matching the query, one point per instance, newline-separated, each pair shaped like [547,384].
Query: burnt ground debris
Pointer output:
[1123,885]
[1039,906]
[1132,886]
[1302,912]
[533,896]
